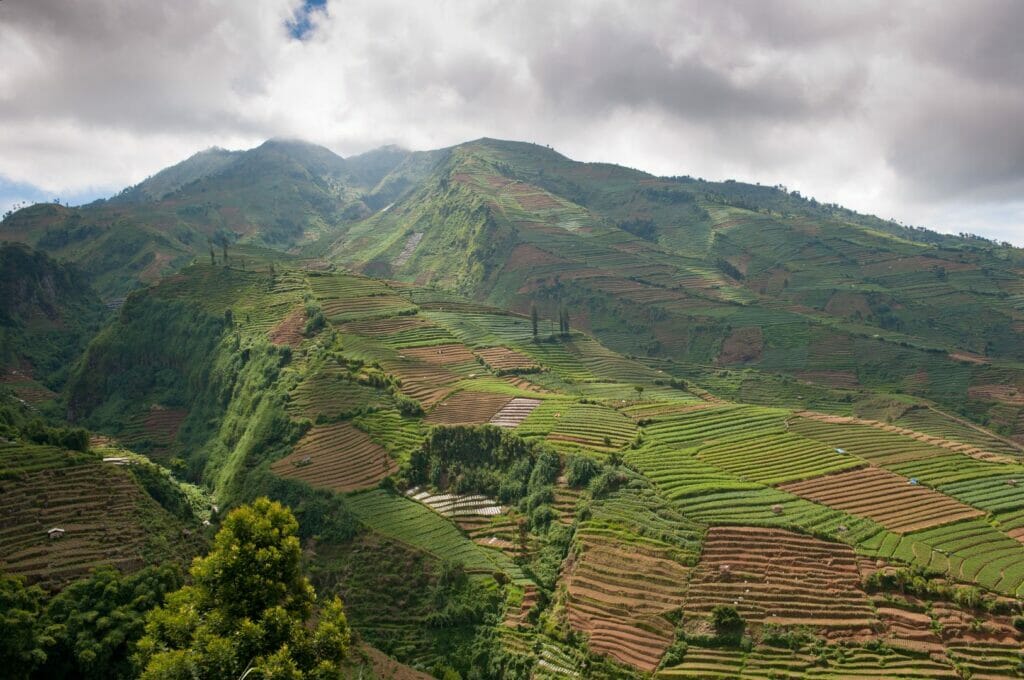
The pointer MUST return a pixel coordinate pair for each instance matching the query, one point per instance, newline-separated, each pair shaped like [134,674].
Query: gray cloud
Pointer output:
[909,110]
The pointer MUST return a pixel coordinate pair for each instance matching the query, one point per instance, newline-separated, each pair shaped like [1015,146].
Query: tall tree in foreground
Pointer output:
[534,320]
[248,610]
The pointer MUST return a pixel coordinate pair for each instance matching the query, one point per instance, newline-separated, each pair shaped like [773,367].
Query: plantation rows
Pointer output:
[337,457]
[344,286]
[101,509]
[620,609]
[889,499]
[514,413]
[347,309]
[592,427]
[505,359]
[840,663]
[327,392]
[872,444]
[780,577]
[467,408]
[695,427]
[422,528]
[400,331]
[776,458]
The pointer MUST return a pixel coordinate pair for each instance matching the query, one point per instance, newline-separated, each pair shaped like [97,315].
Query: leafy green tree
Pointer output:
[249,609]
[22,640]
[727,622]
[96,622]
[534,320]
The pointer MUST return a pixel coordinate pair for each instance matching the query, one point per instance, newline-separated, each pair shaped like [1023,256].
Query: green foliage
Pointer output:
[483,459]
[728,623]
[579,470]
[248,607]
[22,637]
[38,432]
[407,406]
[95,623]
[163,489]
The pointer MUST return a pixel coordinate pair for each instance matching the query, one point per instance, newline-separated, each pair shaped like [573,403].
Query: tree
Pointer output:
[563,321]
[249,609]
[727,622]
[22,640]
[639,390]
[534,319]
[213,256]
[97,621]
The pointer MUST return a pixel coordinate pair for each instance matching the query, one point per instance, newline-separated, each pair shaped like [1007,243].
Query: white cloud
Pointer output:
[907,111]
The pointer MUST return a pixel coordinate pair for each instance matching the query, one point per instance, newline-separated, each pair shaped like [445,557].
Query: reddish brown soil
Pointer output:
[440,355]
[467,408]
[337,457]
[289,331]
[888,498]
[781,577]
[505,359]
[1007,394]
[617,595]
[742,346]
[526,256]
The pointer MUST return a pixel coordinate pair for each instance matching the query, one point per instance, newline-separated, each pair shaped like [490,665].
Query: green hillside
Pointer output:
[767,438]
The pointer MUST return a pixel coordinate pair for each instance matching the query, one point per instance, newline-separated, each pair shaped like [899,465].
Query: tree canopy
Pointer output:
[249,609]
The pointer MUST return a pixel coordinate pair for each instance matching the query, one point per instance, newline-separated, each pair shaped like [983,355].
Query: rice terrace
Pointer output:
[486,411]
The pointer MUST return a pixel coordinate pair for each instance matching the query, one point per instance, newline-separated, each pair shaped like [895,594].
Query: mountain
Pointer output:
[284,194]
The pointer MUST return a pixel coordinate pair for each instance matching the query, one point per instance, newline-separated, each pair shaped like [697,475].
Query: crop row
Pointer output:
[717,423]
[467,408]
[337,457]
[346,309]
[344,286]
[422,528]
[949,468]
[593,427]
[617,595]
[776,458]
[893,501]
[878,446]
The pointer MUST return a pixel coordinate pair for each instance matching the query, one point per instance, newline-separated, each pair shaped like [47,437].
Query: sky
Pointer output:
[910,110]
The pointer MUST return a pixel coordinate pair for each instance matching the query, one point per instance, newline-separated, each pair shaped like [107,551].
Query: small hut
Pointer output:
[55,533]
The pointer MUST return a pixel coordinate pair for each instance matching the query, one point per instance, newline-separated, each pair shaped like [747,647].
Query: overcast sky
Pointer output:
[909,110]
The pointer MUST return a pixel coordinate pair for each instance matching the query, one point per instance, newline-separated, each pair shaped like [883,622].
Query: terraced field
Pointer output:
[895,502]
[515,412]
[780,577]
[592,427]
[505,359]
[328,393]
[621,610]
[337,457]
[776,458]
[422,528]
[467,408]
[105,515]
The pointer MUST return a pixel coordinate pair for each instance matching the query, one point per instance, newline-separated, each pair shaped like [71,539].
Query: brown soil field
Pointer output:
[618,594]
[290,330]
[969,358]
[427,384]
[505,359]
[887,498]
[467,408]
[98,506]
[337,457]
[386,668]
[743,345]
[781,577]
[526,255]
[1007,394]
[440,355]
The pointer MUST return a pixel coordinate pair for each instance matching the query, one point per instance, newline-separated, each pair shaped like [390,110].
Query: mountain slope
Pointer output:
[712,274]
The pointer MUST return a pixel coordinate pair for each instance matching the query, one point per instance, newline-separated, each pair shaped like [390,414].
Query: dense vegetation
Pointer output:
[768,437]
